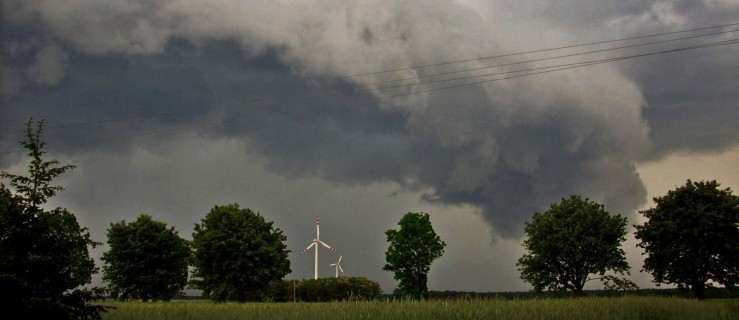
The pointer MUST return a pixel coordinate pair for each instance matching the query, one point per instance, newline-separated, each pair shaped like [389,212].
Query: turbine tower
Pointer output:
[338,267]
[315,243]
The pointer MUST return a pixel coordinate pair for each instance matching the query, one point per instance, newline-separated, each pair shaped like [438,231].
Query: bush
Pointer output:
[324,289]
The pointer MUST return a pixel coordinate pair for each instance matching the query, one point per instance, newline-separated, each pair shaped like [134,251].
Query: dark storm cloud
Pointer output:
[278,83]
[692,101]
[98,88]
[691,98]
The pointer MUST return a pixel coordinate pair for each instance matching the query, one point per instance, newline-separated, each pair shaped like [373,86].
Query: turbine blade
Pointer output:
[327,246]
[340,269]
[308,248]
[331,265]
[339,260]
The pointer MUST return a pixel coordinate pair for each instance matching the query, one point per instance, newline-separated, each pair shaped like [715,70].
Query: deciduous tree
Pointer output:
[411,250]
[237,253]
[691,237]
[571,241]
[146,260]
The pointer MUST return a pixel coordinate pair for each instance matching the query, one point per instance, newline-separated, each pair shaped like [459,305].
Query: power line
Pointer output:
[579,65]
[82,142]
[142,116]
[547,69]
[439,74]
[119,119]
[153,132]
[514,71]
[552,69]
[493,74]
[539,50]
[544,59]
[49,115]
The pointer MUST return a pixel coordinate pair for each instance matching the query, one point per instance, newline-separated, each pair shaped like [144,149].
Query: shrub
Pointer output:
[324,289]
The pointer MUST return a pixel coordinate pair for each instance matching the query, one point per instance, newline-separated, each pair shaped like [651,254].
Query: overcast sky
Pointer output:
[171,107]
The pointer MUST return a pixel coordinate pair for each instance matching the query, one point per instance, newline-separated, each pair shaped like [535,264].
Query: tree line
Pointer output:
[690,238]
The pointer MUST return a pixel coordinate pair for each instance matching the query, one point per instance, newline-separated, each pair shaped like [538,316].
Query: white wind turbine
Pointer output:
[314,244]
[338,267]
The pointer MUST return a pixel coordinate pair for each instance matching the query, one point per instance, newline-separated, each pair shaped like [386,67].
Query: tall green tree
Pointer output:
[411,250]
[45,260]
[147,260]
[691,237]
[237,253]
[571,241]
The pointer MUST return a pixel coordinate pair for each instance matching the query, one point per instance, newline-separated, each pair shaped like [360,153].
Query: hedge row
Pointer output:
[324,289]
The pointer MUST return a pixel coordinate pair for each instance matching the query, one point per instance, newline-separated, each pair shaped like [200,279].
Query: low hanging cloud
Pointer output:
[50,66]
[508,148]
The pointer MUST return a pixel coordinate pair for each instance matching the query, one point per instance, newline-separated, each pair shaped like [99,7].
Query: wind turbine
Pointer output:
[338,267]
[315,244]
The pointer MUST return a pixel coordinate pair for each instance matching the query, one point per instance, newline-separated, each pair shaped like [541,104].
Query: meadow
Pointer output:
[550,308]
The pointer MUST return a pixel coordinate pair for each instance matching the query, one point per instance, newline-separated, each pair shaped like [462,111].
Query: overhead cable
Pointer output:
[540,50]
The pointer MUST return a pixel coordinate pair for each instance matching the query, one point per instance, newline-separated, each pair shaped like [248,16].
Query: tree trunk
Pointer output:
[699,289]
[578,290]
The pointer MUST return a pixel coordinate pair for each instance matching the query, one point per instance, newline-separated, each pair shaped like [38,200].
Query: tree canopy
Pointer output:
[410,253]
[146,260]
[45,260]
[691,237]
[569,242]
[237,253]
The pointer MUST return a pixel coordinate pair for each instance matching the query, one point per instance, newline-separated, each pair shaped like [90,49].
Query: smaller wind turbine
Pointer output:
[338,267]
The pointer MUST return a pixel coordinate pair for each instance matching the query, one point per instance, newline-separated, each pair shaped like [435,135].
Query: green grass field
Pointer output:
[580,308]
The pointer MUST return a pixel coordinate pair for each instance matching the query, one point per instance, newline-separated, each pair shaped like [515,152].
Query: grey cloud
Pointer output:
[523,162]
[691,106]
[97,27]
[12,80]
[507,148]
[696,110]
[691,97]
[50,66]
